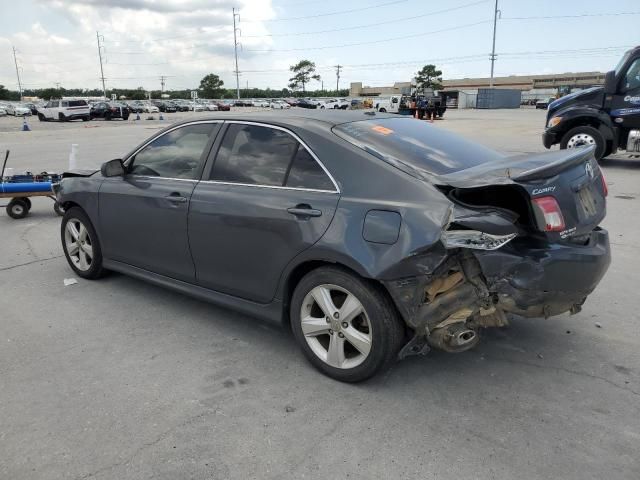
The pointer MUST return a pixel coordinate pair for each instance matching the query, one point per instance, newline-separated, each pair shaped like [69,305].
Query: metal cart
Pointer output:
[20,188]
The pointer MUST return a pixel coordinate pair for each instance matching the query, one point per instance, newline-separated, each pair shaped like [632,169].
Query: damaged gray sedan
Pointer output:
[373,236]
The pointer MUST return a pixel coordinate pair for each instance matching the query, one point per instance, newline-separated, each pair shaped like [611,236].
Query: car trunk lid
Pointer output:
[564,192]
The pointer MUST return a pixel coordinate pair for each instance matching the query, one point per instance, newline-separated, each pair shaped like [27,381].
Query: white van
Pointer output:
[64,110]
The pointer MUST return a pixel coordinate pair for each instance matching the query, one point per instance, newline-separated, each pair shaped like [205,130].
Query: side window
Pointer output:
[77,103]
[65,104]
[632,78]
[254,155]
[177,154]
[305,172]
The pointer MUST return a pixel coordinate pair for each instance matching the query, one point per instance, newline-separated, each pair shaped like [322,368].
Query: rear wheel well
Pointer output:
[304,268]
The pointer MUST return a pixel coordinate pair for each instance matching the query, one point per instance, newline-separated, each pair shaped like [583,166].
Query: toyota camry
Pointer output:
[372,236]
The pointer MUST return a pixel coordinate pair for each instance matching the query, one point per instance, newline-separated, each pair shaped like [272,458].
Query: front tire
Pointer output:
[346,327]
[41,117]
[81,245]
[583,136]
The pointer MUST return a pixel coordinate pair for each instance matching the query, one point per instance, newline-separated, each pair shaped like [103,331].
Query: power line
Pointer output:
[403,37]
[582,15]
[340,12]
[377,24]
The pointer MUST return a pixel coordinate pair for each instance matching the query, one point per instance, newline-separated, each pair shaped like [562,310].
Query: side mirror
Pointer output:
[112,168]
[610,83]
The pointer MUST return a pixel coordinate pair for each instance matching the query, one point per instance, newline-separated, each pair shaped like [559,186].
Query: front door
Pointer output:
[625,104]
[143,215]
[266,200]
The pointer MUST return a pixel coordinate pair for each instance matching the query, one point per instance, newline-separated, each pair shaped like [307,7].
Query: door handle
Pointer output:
[304,211]
[176,198]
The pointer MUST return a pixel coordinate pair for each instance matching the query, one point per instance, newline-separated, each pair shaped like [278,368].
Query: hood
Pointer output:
[587,96]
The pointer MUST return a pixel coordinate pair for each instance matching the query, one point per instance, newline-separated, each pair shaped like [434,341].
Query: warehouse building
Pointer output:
[555,82]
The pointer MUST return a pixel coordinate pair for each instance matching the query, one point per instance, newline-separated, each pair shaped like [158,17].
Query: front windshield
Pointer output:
[622,61]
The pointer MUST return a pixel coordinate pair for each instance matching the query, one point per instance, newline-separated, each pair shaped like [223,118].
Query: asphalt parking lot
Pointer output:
[120,379]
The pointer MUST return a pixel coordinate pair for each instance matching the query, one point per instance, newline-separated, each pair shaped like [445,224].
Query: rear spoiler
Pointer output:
[510,170]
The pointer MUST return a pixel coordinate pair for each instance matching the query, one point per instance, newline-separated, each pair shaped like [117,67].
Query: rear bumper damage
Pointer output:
[476,288]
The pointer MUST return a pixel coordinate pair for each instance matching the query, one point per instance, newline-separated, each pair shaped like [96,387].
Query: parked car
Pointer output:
[18,110]
[135,106]
[3,110]
[373,237]
[149,107]
[291,101]
[211,106]
[544,103]
[357,104]
[261,103]
[181,105]
[165,106]
[336,104]
[304,103]
[196,107]
[223,106]
[65,110]
[31,106]
[279,104]
[110,110]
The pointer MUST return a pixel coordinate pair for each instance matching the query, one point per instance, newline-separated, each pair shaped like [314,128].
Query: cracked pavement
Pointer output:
[121,379]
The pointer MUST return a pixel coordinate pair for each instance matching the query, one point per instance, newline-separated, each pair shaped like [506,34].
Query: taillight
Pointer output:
[550,210]
[604,183]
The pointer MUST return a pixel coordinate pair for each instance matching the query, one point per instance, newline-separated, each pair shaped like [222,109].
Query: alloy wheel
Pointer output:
[336,326]
[78,244]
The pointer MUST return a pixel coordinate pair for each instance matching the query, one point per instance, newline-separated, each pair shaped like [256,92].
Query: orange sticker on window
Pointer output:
[382,130]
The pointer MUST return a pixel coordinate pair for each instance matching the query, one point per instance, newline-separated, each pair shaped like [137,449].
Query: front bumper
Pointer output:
[550,137]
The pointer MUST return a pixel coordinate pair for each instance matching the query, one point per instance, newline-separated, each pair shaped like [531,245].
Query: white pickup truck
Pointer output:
[64,110]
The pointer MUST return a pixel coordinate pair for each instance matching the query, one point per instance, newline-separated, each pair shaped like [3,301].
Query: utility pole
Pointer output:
[162,79]
[104,89]
[496,12]
[338,67]
[235,49]
[17,72]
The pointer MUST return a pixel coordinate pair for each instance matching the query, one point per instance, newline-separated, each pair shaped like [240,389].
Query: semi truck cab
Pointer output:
[607,117]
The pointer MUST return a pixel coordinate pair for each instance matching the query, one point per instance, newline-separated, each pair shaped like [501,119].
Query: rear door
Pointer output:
[143,215]
[265,199]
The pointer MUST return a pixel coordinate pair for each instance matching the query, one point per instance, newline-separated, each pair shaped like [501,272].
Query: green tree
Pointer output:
[4,93]
[211,86]
[303,73]
[429,77]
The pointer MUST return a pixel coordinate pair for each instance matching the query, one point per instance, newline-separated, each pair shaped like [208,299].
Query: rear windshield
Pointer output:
[416,147]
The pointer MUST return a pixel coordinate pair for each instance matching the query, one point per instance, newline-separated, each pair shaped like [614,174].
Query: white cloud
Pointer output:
[143,39]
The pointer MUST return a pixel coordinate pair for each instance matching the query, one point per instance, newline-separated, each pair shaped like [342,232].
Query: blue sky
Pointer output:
[377,41]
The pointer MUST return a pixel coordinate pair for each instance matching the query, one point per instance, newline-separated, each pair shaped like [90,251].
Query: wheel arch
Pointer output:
[588,118]
[296,273]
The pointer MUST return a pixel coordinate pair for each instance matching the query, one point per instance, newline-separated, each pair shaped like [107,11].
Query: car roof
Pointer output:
[298,118]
